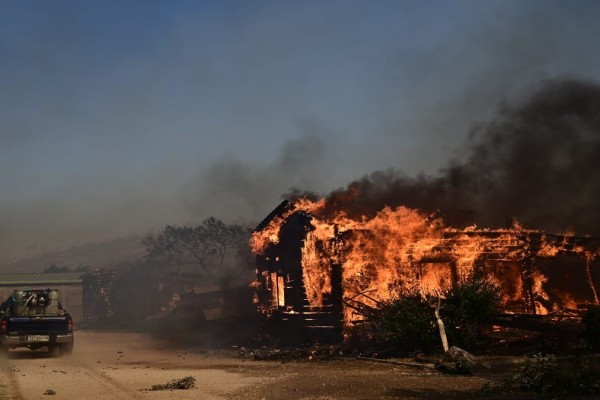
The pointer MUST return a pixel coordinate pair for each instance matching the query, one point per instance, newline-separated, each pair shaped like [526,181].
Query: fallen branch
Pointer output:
[402,363]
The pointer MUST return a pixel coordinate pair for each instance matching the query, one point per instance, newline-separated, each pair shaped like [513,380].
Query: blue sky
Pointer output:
[119,117]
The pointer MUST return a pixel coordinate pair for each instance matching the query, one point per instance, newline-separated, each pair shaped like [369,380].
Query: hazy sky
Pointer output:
[119,117]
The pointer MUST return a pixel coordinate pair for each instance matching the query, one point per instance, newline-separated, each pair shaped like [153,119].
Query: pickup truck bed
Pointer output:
[35,327]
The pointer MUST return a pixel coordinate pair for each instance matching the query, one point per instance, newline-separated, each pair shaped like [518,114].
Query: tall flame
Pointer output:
[402,249]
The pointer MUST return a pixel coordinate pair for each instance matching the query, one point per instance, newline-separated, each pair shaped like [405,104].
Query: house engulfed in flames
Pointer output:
[313,264]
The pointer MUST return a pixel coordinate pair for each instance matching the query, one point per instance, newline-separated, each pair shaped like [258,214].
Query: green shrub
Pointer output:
[177,384]
[464,367]
[468,309]
[406,325]
[591,323]
[543,376]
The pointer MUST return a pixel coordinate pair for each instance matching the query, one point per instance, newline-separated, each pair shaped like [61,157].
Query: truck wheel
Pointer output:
[66,348]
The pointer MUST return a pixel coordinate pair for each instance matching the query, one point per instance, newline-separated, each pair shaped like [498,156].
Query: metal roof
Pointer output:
[40,278]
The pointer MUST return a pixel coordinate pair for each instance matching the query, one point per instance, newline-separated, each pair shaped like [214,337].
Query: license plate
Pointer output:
[38,338]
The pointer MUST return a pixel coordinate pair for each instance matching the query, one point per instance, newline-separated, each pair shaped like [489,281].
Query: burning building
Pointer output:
[313,264]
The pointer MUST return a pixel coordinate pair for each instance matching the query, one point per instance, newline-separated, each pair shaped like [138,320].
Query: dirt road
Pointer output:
[125,365]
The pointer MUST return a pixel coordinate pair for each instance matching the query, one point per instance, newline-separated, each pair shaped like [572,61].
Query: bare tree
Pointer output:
[224,238]
[205,245]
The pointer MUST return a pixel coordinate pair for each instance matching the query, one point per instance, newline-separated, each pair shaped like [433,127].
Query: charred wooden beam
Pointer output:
[538,324]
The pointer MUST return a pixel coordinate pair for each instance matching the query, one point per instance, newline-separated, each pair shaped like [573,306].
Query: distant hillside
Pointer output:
[105,254]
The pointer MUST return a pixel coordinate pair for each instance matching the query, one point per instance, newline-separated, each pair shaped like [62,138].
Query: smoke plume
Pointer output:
[537,160]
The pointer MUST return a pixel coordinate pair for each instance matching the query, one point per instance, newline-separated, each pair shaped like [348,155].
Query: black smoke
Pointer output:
[537,160]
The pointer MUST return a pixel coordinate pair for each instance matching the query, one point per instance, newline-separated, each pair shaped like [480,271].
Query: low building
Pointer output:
[318,272]
[68,284]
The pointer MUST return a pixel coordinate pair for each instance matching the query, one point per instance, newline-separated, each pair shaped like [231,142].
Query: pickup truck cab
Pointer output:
[35,319]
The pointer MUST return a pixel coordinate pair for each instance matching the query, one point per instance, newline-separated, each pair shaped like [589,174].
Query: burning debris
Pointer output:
[96,288]
[315,263]
[311,353]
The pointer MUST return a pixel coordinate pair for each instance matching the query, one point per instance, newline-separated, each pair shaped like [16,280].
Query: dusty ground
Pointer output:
[123,365]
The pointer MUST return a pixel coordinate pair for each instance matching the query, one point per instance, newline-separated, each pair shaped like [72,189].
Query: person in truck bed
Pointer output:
[35,318]
[6,304]
[40,300]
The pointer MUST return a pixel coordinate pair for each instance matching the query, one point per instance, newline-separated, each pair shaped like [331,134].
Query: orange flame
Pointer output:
[402,249]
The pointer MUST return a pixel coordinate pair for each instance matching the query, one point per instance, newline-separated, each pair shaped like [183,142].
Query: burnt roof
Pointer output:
[277,212]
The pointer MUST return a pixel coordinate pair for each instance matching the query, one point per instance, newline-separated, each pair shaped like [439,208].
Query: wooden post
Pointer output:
[590,278]
[527,286]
